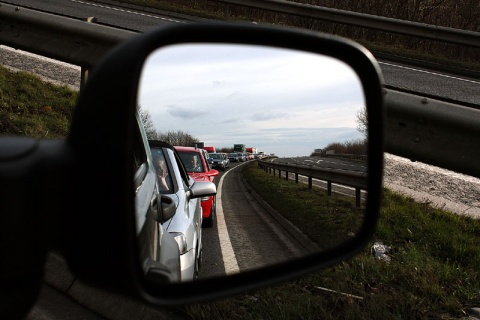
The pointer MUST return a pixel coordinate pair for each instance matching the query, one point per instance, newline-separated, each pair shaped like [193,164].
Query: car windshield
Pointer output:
[192,161]
[216,156]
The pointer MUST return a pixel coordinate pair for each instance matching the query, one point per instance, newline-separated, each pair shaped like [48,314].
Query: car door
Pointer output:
[158,250]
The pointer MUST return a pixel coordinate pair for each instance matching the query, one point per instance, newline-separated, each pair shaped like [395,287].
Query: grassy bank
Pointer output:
[33,108]
[432,273]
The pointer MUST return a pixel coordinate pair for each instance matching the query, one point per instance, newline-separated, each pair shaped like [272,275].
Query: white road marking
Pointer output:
[127,11]
[429,72]
[229,259]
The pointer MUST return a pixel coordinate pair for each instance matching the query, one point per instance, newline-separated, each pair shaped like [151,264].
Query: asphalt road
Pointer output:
[325,162]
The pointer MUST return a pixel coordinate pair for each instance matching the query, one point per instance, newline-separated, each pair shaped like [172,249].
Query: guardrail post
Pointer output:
[329,188]
[296,178]
[279,173]
[310,183]
[286,175]
[83,77]
[84,70]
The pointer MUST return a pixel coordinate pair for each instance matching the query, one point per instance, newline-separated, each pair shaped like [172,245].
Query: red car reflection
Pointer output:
[195,161]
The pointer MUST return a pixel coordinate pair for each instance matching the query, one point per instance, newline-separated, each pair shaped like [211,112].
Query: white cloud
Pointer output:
[225,94]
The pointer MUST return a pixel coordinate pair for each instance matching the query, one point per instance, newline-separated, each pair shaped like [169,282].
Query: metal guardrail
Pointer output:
[354,179]
[432,131]
[427,130]
[421,30]
[69,40]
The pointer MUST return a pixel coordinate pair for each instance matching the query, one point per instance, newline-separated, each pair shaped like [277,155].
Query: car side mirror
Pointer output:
[213,172]
[168,208]
[296,89]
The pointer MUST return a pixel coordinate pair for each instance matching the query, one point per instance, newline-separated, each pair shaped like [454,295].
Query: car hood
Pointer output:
[200,176]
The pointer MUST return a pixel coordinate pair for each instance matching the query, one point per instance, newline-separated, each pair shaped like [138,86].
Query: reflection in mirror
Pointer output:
[293,127]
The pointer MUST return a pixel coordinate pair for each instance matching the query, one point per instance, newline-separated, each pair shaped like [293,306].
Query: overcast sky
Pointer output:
[276,100]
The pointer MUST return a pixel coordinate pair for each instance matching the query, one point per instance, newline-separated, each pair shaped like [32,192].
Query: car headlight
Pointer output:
[181,241]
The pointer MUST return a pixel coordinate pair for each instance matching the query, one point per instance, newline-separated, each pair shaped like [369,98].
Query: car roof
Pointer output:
[159,144]
[190,149]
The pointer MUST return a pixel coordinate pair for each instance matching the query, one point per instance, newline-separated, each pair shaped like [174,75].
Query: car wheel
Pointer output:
[208,223]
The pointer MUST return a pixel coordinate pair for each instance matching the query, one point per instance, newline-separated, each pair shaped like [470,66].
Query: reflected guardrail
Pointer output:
[354,179]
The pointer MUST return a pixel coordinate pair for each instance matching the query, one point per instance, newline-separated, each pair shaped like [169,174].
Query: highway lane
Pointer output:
[325,162]
[434,83]
[246,235]
[111,15]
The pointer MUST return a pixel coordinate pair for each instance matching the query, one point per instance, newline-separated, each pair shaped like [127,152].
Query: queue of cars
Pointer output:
[176,171]
[240,157]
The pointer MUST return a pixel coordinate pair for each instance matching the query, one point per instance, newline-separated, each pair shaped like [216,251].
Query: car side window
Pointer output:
[206,156]
[192,161]
[183,170]
[162,170]
[140,166]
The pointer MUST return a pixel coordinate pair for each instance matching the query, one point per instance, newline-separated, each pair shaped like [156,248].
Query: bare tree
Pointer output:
[362,121]
[178,138]
[148,125]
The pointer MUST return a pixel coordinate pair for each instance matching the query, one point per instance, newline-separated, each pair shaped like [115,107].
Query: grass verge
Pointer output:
[33,108]
[326,220]
[432,273]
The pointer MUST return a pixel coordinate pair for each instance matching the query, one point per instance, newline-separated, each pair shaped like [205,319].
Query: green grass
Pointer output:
[30,107]
[327,220]
[432,273]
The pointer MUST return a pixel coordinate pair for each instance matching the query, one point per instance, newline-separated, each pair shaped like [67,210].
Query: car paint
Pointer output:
[159,251]
[207,174]
[185,225]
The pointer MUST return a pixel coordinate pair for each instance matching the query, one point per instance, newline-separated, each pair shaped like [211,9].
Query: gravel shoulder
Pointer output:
[438,187]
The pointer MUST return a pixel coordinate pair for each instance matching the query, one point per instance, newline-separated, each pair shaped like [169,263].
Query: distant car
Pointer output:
[233,157]
[197,166]
[180,193]
[219,161]
[242,156]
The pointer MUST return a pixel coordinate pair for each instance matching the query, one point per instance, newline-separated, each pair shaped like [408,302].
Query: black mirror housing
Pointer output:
[100,245]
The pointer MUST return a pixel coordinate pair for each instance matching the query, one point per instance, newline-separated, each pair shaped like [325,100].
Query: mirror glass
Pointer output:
[272,112]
